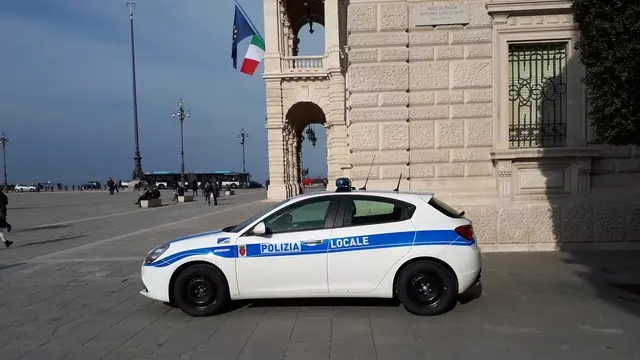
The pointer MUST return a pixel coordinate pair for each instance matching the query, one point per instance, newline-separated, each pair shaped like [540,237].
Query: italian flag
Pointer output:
[255,54]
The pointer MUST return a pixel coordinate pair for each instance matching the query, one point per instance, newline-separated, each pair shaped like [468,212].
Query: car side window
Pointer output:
[371,212]
[304,217]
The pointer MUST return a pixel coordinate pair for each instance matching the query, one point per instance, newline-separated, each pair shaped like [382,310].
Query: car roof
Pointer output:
[383,193]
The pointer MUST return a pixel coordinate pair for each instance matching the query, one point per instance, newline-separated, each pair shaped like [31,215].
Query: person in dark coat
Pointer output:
[194,187]
[4,201]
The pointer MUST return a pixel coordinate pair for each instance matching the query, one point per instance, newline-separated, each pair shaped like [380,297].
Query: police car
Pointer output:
[369,244]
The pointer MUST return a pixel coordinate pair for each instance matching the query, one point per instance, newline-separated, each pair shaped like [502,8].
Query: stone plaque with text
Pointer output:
[445,14]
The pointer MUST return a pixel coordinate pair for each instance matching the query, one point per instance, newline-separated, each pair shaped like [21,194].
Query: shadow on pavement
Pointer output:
[56,240]
[312,302]
[593,199]
[45,227]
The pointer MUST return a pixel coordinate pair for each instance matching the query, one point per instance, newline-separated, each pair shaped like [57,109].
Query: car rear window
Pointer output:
[445,208]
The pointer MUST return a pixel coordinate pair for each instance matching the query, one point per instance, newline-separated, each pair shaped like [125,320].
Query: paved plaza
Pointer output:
[69,289]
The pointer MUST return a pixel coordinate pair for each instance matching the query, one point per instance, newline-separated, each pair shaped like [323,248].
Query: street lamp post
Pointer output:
[181,114]
[4,141]
[137,159]
[242,137]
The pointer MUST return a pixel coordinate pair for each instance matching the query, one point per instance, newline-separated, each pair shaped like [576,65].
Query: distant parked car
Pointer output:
[93,185]
[254,185]
[23,188]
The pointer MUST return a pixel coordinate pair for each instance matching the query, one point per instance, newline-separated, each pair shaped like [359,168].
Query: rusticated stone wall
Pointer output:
[423,101]
[420,99]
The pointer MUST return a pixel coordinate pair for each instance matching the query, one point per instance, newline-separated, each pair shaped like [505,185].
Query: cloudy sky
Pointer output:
[66,97]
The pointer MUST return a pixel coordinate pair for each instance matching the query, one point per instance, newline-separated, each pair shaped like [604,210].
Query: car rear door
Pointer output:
[370,235]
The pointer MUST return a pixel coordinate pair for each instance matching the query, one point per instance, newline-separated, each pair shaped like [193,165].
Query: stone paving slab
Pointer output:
[69,300]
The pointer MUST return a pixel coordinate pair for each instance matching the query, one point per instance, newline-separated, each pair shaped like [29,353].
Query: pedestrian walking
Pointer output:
[194,187]
[216,193]
[208,190]
[4,201]
[111,186]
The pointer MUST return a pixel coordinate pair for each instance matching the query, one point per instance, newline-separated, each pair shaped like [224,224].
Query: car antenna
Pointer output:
[369,173]
[398,186]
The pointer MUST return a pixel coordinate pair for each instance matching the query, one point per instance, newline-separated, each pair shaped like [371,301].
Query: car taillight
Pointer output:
[465,232]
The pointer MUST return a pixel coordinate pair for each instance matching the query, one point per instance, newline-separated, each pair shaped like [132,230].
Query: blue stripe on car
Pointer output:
[298,248]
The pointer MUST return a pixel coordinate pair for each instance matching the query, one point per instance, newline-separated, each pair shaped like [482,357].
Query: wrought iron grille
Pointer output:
[537,95]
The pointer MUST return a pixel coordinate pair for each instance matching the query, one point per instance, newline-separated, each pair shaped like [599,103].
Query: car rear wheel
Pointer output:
[201,290]
[426,288]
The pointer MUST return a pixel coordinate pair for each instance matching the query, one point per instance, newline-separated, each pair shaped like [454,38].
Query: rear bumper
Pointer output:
[477,280]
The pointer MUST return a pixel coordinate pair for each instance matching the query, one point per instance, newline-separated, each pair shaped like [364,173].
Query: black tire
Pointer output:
[201,290]
[234,186]
[32,190]
[426,288]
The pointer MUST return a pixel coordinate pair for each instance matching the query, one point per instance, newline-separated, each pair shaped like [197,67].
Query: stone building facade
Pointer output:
[478,101]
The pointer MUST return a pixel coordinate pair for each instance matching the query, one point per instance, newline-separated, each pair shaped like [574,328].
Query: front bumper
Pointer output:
[156,282]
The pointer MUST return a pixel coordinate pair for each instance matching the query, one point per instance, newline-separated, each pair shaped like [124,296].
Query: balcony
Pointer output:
[302,64]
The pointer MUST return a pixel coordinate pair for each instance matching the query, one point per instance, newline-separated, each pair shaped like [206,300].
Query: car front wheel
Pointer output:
[201,290]
[32,190]
[426,288]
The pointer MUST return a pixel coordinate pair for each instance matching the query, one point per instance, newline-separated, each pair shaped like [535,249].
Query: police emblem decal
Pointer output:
[242,250]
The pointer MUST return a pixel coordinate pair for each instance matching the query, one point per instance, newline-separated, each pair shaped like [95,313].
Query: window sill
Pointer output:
[512,154]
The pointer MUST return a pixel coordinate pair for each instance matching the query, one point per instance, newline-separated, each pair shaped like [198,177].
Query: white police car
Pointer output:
[370,244]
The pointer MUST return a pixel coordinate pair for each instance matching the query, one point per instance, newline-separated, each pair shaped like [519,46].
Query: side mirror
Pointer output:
[260,229]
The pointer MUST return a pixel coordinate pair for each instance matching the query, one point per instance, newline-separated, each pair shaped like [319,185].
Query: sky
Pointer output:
[66,91]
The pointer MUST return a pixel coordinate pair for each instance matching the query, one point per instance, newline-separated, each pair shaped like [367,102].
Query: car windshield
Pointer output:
[255,217]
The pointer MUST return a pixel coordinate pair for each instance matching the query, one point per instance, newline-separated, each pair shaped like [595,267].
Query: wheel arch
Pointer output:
[186,265]
[419,259]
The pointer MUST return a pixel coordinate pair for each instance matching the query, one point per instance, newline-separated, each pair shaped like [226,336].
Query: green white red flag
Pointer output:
[254,55]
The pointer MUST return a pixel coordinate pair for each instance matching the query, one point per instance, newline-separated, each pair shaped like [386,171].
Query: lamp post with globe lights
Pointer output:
[181,114]
[4,141]
[137,159]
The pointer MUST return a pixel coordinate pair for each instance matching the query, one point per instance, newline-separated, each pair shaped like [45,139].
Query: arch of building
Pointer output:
[302,90]
[299,116]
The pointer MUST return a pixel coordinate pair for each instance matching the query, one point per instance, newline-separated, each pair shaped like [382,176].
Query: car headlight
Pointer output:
[155,253]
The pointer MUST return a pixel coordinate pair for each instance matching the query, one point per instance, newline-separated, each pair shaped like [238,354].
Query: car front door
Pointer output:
[371,233]
[291,258]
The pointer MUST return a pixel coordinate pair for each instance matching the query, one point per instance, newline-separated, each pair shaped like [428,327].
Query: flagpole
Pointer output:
[247,17]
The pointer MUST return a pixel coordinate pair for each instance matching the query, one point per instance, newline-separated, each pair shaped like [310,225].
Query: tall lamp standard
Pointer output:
[181,114]
[137,159]
[4,141]
[242,137]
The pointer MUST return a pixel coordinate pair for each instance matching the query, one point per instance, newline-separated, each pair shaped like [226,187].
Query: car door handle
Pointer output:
[312,242]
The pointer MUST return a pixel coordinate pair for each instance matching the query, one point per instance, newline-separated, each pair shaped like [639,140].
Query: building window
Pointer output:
[537,95]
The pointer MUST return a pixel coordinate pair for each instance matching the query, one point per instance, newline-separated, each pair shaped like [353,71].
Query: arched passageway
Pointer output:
[299,117]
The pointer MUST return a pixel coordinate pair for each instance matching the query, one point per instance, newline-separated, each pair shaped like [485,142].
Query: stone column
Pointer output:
[272,36]
[332,34]
[277,189]
[275,143]
[291,159]
[298,157]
